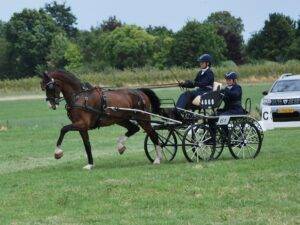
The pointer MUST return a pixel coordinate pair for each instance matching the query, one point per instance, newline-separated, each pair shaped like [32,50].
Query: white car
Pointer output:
[280,107]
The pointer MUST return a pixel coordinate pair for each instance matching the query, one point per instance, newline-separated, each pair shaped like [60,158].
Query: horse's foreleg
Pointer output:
[131,130]
[146,125]
[88,150]
[58,151]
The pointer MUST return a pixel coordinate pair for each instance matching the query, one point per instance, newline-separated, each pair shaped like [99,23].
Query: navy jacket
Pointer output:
[205,82]
[233,98]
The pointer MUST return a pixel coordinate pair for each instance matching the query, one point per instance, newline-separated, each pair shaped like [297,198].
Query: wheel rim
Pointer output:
[168,143]
[245,141]
[194,147]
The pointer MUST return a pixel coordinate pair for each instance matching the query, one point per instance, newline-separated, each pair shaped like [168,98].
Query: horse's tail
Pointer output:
[155,101]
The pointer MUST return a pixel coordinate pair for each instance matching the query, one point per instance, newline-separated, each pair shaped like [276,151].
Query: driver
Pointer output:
[232,96]
[233,103]
[204,82]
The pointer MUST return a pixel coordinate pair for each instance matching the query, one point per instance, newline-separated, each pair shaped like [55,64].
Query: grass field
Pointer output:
[37,189]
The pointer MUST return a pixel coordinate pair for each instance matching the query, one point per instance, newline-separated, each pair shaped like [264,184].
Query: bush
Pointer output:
[128,46]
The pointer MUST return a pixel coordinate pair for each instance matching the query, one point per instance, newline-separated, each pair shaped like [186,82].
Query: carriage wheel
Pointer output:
[245,140]
[197,144]
[168,143]
[220,143]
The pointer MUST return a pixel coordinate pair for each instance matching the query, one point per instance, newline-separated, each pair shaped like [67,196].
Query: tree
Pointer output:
[85,40]
[298,28]
[195,39]
[110,24]
[274,40]
[2,28]
[63,17]
[30,34]
[4,58]
[161,56]
[128,46]
[162,47]
[160,31]
[294,49]
[254,47]
[73,57]
[56,57]
[230,28]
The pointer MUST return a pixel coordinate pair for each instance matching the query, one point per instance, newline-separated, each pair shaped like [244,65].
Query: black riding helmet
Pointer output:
[205,58]
[231,75]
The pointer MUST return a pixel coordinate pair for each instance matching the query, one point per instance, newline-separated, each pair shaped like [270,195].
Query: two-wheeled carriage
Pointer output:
[203,133]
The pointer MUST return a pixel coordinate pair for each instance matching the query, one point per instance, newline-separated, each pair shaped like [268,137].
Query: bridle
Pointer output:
[51,87]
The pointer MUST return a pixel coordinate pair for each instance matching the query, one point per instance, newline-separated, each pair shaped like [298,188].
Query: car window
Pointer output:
[286,85]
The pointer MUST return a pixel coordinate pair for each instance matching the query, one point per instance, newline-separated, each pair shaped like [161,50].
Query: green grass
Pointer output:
[127,189]
[267,71]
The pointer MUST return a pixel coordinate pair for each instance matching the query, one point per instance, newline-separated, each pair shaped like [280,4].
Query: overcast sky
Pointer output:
[170,13]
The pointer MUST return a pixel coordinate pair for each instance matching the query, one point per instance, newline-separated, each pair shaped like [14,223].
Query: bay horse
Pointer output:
[88,108]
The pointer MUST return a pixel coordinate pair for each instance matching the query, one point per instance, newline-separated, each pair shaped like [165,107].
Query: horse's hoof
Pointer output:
[58,154]
[88,167]
[122,150]
[156,161]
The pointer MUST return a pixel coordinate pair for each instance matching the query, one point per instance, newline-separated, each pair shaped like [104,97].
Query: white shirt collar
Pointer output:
[204,70]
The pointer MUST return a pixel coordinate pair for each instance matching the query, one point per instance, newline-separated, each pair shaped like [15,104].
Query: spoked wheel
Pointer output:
[168,142]
[220,143]
[197,144]
[245,140]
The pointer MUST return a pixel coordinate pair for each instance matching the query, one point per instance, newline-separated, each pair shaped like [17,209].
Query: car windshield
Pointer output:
[286,85]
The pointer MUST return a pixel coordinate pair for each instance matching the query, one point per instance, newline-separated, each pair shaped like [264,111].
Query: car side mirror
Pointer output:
[265,92]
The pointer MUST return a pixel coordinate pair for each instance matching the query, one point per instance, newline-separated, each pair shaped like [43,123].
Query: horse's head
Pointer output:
[52,90]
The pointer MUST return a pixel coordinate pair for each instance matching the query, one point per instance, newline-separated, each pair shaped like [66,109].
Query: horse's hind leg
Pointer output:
[131,130]
[88,150]
[146,125]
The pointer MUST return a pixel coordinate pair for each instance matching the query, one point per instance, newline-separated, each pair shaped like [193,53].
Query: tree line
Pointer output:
[33,41]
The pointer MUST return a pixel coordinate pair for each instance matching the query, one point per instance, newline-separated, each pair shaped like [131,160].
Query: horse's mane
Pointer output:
[70,76]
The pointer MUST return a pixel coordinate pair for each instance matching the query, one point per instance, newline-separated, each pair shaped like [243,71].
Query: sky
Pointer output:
[170,13]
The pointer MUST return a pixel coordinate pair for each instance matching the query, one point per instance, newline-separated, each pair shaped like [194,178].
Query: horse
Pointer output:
[90,107]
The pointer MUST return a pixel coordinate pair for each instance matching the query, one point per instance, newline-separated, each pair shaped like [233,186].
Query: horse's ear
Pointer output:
[46,76]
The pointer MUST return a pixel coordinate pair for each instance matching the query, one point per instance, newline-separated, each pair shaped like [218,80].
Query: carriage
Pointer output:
[201,133]
[241,134]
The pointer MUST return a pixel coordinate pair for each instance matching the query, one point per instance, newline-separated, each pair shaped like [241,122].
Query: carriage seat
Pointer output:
[197,100]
